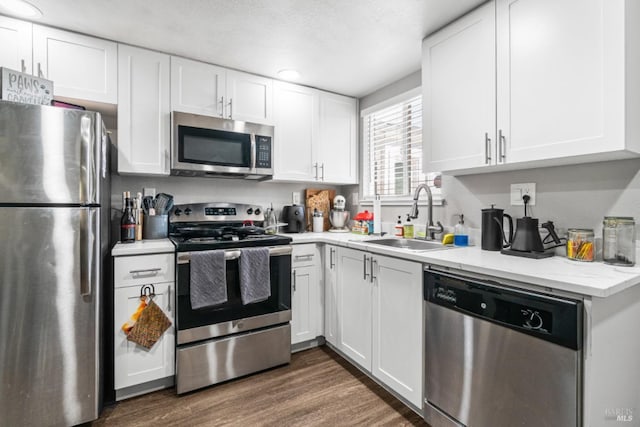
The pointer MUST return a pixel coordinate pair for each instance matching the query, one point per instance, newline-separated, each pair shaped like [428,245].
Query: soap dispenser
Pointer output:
[408,228]
[460,233]
[399,229]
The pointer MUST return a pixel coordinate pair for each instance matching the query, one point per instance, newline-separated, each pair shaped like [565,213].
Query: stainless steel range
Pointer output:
[229,339]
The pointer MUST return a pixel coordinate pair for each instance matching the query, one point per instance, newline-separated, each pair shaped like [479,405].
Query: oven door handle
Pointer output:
[185,257]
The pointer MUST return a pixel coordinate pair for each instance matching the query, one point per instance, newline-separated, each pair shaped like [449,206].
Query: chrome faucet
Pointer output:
[431,229]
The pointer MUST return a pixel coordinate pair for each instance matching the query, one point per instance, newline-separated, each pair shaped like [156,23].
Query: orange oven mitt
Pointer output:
[128,325]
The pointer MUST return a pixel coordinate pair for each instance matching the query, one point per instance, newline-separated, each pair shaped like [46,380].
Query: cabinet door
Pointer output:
[397,326]
[337,147]
[354,305]
[560,77]
[295,114]
[80,66]
[197,87]
[134,364]
[15,44]
[249,97]
[331,319]
[459,95]
[303,304]
[143,111]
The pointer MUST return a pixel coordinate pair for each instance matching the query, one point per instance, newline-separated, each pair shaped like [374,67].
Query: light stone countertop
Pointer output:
[594,279]
[143,247]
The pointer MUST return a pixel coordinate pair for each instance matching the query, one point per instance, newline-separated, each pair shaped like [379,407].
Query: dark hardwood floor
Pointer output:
[318,388]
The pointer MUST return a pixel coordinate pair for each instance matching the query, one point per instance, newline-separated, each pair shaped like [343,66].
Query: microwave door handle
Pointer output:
[253,152]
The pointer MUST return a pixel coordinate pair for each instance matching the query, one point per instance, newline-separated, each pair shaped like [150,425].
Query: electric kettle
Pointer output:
[493,238]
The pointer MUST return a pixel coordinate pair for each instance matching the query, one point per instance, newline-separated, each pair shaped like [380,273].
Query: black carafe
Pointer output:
[492,229]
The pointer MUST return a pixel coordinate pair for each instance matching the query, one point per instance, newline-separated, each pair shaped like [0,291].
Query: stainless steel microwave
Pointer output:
[211,146]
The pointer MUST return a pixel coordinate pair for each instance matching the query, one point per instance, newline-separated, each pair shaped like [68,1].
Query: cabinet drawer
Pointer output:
[143,269]
[306,254]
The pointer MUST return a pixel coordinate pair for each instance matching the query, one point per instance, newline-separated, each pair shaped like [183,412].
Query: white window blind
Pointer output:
[393,150]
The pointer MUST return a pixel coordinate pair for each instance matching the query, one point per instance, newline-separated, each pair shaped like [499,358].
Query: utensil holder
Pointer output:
[155,227]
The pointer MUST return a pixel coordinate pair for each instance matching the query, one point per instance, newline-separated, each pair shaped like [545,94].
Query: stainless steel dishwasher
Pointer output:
[497,356]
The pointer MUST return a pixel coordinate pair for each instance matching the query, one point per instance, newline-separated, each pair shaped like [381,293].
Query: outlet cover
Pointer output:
[295,197]
[519,190]
[148,191]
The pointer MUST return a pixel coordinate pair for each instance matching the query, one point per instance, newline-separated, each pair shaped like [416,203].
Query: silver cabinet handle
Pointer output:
[230,108]
[253,151]
[373,261]
[487,148]
[23,66]
[153,271]
[365,266]
[294,280]
[502,147]
[331,263]
[315,166]
[222,106]
[40,74]
[322,167]
[307,256]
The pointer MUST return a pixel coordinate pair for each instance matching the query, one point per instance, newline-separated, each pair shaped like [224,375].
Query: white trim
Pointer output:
[391,101]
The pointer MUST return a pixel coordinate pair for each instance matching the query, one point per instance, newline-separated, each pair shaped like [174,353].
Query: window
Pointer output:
[392,136]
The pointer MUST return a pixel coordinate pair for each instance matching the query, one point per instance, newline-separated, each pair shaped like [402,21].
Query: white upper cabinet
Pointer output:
[80,66]
[458,80]
[337,150]
[249,97]
[200,88]
[197,87]
[567,86]
[315,135]
[143,111]
[15,44]
[296,121]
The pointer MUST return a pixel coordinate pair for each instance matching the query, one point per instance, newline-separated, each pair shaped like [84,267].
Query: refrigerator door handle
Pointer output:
[89,251]
[88,136]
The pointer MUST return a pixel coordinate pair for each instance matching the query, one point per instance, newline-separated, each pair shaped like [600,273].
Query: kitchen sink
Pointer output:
[411,244]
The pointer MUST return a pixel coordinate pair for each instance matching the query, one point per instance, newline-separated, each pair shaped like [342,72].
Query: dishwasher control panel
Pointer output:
[554,319]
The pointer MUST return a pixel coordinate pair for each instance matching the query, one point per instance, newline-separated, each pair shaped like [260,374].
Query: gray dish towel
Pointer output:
[255,276]
[208,279]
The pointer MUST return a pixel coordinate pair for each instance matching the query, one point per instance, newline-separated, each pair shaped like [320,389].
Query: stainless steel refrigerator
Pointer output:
[54,198]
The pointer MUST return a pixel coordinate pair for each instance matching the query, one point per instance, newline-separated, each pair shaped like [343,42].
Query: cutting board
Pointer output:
[321,200]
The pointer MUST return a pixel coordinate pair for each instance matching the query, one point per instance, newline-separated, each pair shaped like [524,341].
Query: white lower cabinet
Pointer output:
[331,325]
[379,318]
[397,326]
[306,295]
[137,369]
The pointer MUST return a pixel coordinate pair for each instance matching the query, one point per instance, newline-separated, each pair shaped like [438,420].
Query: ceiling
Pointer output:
[352,47]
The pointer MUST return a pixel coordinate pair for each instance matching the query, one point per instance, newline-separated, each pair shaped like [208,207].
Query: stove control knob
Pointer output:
[177,212]
[188,211]
[249,211]
[257,211]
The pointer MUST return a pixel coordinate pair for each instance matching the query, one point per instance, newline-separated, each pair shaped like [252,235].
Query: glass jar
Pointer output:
[619,240]
[580,244]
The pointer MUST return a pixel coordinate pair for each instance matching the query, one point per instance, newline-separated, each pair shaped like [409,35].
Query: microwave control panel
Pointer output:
[263,152]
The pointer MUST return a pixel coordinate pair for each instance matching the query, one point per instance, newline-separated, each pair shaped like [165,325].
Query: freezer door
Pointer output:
[49,316]
[50,155]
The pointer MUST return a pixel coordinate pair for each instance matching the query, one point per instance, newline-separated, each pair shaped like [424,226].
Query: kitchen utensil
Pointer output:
[493,238]
[147,203]
[161,202]
[619,241]
[294,216]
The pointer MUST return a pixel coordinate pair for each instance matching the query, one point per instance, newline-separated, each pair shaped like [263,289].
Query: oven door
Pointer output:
[233,317]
